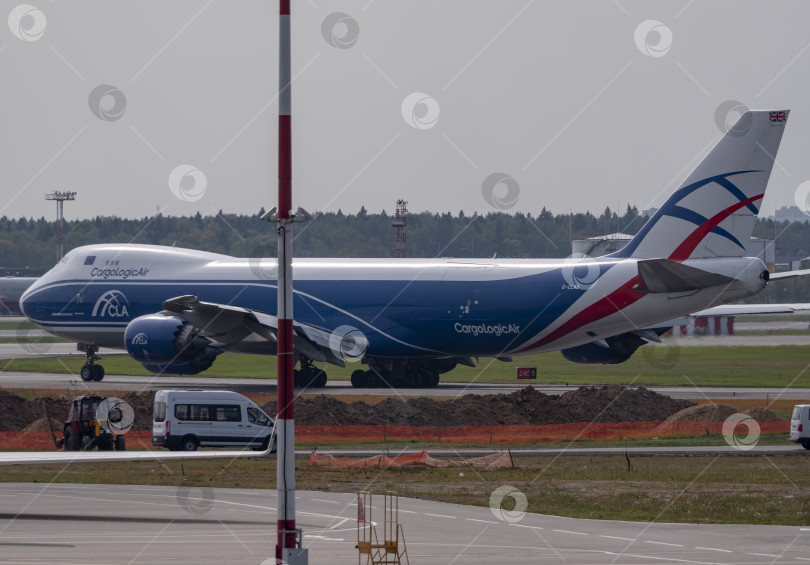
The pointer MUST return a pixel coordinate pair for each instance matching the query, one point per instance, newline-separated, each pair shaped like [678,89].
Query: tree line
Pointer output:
[27,245]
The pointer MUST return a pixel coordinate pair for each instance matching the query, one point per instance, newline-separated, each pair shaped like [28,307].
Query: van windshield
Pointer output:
[256,416]
[160,412]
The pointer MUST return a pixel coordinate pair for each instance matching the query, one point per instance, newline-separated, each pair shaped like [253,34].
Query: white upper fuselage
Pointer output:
[405,307]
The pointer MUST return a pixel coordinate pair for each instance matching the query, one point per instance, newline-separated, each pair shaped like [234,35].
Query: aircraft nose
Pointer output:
[27,300]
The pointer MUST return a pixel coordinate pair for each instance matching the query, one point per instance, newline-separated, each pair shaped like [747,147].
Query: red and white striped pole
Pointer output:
[287,534]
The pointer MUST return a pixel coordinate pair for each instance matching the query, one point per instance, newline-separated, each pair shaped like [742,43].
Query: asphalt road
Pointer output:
[11,379]
[110,524]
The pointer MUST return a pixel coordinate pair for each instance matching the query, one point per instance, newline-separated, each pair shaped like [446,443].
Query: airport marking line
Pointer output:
[570,532]
[340,523]
[617,537]
[440,515]
[527,526]
[763,554]
[665,543]
[668,559]
[715,549]
[483,521]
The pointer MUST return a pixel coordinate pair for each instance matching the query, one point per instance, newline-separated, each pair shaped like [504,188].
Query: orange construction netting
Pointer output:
[477,435]
[501,460]
[499,435]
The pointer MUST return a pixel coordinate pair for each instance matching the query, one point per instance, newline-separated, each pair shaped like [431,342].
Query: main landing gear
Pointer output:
[308,376]
[396,374]
[90,371]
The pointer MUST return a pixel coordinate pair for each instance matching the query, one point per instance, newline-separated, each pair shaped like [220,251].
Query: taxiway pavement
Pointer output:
[108,524]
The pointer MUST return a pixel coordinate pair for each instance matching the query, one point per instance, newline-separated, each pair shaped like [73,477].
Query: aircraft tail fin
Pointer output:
[712,213]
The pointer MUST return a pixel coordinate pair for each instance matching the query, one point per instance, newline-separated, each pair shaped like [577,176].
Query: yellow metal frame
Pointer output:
[392,550]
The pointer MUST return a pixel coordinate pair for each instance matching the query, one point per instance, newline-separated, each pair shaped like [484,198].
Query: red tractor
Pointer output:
[91,422]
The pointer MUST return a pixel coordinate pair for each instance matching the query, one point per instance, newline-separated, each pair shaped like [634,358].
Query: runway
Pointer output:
[105,524]
[12,379]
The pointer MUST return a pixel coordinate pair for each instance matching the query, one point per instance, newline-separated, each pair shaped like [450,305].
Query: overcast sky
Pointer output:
[452,105]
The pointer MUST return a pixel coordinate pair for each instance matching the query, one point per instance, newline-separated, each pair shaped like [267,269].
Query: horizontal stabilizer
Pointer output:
[663,275]
[788,275]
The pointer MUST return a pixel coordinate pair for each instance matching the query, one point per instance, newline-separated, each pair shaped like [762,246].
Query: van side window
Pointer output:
[181,412]
[160,412]
[227,413]
[257,417]
[200,412]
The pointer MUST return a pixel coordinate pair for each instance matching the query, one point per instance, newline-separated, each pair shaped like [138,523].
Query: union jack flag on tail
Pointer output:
[777,117]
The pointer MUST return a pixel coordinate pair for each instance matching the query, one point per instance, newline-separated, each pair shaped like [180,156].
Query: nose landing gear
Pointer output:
[90,371]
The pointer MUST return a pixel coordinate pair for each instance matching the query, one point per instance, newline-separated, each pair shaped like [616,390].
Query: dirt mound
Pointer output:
[141,403]
[527,406]
[41,425]
[19,412]
[763,415]
[703,413]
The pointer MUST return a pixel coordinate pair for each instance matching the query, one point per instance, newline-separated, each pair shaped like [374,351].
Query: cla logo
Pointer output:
[580,275]
[111,304]
[140,339]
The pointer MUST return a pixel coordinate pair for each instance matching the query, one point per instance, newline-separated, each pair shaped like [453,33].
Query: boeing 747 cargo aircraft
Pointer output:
[406,321]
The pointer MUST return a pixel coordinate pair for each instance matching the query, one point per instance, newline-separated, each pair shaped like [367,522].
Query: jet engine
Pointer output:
[169,345]
[619,349]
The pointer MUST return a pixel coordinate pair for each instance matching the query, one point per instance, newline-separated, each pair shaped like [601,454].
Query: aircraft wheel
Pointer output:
[97,372]
[359,379]
[372,380]
[434,380]
[320,380]
[412,380]
[87,372]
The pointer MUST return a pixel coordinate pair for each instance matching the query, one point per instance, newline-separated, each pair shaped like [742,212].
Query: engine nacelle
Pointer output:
[621,347]
[169,345]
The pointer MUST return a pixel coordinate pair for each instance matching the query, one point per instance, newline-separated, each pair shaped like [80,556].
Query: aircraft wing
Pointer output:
[24,457]
[226,325]
[744,309]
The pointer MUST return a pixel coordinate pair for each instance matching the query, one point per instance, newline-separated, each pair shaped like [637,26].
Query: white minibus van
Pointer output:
[800,425]
[188,419]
